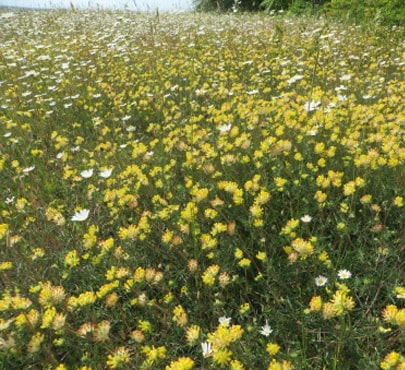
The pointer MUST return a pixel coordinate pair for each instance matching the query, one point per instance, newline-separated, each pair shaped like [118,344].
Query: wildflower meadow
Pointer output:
[200,191]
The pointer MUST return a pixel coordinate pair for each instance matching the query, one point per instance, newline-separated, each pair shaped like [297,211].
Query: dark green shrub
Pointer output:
[386,12]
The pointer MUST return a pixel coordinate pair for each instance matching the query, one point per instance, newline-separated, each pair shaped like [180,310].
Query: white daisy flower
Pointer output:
[225,320]
[87,173]
[106,173]
[9,200]
[28,169]
[344,274]
[306,219]
[225,128]
[206,349]
[312,105]
[81,215]
[294,79]
[266,330]
[321,280]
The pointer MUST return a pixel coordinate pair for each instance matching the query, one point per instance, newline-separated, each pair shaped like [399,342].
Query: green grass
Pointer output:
[226,164]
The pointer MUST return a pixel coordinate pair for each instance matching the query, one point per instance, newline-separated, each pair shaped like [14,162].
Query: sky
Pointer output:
[162,5]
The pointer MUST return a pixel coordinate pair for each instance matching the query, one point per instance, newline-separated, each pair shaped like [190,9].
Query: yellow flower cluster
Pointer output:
[119,357]
[180,316]
[183,363]
[393,361]
[338,305]
[394,316]
[225,335]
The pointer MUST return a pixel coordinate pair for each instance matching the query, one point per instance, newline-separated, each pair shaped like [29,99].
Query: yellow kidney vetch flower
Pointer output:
[72,259]
[84,299]
[167,236]
[208,242]
[392,315]
[3,230]
[19,303]
[284,365]
[54,215]
[320,197]
[180,316]
[21,203]
[252,186]
[256,211]
[48,317]
[209,275]
[5,324]
[3,160]
[323,181]
[107,288]
[145,326]
[111,300]
[50,295]
[335,178]
[289,228]
[238,196]
[193,334]
[304,248]
[400,292]
[31,319]
[35,342]
[228,186]
[272,348]
[393,361]
[342,302]
[280,183]
[263,197]
[210,213]
[199,194]
[153,354]
[319,148]
[58,321]
[7,265]
[315,304]
[398,202]
[128,233]
[349,188]
[189,213]
[183,363]
[101,331]
[61,367]
[244,262]
[236,365]
[118,358]
[218,227]
[224,335]
[338,305]
[222,356]
[90,237]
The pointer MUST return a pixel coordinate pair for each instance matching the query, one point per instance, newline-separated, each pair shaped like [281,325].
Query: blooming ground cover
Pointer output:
[199,191]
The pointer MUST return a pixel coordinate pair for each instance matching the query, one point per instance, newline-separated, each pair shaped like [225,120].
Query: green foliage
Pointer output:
[294,6]
[275,5]
[386,12]
[227,5]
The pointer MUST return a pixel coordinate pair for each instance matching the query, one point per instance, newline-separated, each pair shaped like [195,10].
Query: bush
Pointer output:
[386,12]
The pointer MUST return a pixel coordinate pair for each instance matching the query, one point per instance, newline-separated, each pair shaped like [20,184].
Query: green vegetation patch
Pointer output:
[188,191]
